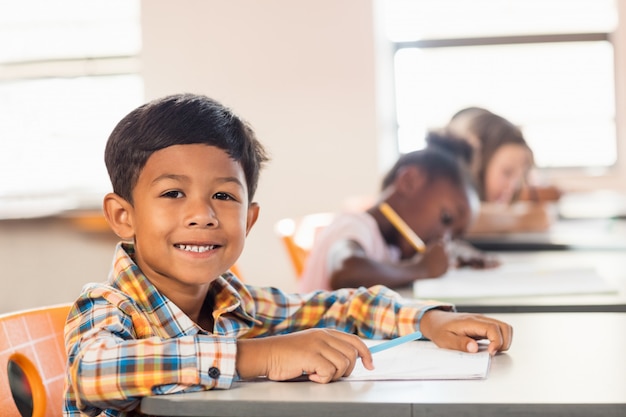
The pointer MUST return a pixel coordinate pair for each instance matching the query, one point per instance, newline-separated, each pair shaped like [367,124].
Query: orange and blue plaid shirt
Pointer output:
[126,341]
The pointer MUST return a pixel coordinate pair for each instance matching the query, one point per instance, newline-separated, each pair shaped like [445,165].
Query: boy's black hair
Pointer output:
[436,162]
[180,119]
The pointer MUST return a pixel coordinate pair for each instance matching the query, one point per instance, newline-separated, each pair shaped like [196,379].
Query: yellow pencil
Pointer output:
[402,227]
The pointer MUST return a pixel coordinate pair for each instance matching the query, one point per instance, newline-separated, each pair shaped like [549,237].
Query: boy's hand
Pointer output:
[324,355]
[460,331]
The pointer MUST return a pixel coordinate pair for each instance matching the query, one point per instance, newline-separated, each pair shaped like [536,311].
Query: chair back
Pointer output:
[32,351]
[298,236]
[237,271]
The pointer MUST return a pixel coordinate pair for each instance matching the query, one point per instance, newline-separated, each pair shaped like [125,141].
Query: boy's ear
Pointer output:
[253,215]
[410,179]
[118,213]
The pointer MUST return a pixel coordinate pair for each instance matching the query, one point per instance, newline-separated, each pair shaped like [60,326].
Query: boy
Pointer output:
[171,318]
[431,192]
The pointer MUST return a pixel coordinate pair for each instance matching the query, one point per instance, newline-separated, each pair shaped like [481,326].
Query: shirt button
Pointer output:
[214,373]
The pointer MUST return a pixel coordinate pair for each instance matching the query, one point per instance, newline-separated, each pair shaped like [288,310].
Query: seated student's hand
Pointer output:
[478,261]
[533,217]
[323,355]
[434,262]
[463,254]
[460,331]
[520,216]
[540,193]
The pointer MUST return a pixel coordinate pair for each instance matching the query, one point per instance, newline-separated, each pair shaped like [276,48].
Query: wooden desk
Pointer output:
[559,364]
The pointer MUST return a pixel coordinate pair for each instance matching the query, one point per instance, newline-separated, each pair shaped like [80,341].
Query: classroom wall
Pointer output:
[301,72]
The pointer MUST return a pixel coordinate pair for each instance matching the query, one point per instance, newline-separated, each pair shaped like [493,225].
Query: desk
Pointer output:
[587,242]
[610,264]
[579,234]
[559,364]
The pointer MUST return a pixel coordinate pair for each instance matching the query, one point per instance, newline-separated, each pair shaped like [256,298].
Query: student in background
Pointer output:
[432,193]
[501,168]
[172,318]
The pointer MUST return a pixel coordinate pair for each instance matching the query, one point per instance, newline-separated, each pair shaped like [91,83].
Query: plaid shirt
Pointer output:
[125,340]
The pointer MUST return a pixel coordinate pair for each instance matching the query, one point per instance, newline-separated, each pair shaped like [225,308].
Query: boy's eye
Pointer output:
[173,194]
[223,196]
[446,218]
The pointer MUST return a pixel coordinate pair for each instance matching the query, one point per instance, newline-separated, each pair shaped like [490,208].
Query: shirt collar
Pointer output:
[228,296]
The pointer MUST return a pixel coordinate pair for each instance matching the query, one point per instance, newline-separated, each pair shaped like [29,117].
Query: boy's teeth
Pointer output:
[195,248]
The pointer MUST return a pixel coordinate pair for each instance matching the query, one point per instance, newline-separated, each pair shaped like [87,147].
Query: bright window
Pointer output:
[69,70]
[545,65]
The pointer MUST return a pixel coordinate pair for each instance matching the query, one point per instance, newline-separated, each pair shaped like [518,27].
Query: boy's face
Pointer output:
[441,209]
[190,216]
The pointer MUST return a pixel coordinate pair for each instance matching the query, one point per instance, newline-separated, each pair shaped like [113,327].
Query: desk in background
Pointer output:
[590,242]
[611,265]
[572,234]
[559,364]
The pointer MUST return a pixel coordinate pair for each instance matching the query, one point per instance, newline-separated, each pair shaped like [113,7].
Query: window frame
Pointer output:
[570,179]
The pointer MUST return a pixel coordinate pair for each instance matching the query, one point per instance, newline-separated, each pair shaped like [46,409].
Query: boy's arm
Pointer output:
[349,266]
[113,360]
[375,313]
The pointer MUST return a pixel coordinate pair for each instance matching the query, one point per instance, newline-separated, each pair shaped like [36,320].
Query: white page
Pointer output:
[511,280]
[422,360]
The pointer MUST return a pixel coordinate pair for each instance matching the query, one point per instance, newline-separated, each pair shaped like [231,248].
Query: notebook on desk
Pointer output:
[422,360]
[513,280]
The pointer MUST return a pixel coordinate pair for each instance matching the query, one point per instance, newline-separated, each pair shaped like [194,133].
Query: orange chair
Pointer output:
[298,236]
[237,271]
[32,351]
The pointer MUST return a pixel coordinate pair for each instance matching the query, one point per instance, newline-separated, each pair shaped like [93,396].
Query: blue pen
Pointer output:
[395,342]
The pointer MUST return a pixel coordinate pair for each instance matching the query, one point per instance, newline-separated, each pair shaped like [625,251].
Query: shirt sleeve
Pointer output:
[114,361]
[374,313]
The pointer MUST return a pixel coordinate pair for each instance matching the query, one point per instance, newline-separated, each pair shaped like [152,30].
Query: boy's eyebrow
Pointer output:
[179,177]
[231,179]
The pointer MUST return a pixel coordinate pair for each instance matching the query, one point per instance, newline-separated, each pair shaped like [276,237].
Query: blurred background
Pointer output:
[335,89]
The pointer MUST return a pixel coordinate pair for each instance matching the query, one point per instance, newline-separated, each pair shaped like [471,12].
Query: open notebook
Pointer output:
[422,360]
[512,280]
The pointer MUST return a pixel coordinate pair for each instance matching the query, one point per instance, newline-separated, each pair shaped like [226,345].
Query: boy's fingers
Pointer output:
[507,331]
[362,351]
[322,371]
[342,360]
[498,333]
[338,357]
[464,338]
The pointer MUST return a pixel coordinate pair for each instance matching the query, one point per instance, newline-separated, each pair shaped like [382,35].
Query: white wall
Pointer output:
[47,261]
[302,73]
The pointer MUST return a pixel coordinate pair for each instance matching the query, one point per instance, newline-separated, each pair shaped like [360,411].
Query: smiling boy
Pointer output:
[171,318]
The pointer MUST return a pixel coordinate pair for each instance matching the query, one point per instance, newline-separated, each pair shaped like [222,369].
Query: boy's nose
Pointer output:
[202,215]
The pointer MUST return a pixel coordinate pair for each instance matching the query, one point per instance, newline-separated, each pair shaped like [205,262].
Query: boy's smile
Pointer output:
[189,218]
